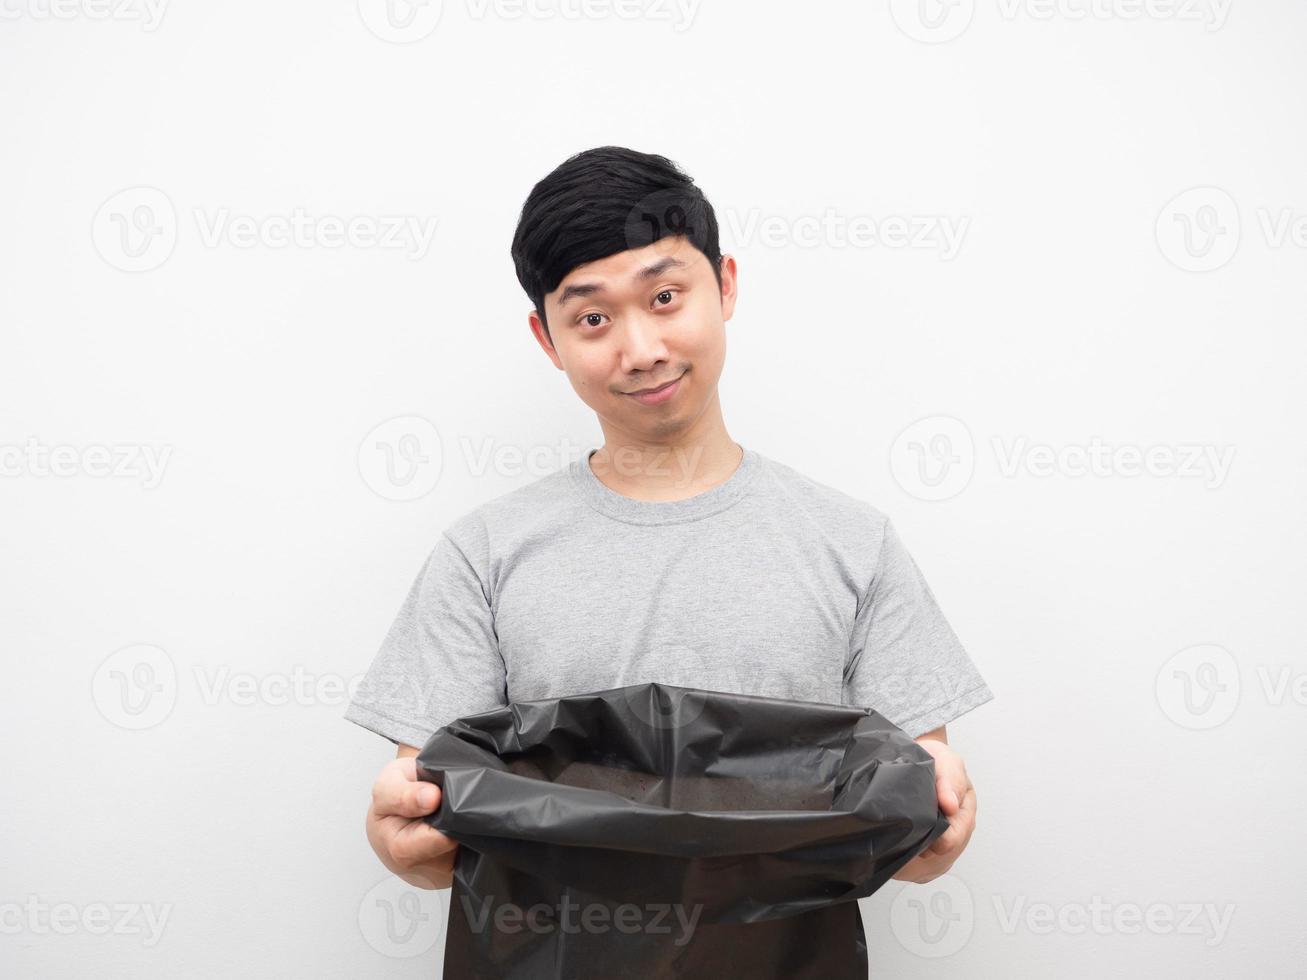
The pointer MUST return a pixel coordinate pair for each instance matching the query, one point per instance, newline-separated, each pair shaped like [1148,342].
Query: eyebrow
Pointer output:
[648,272]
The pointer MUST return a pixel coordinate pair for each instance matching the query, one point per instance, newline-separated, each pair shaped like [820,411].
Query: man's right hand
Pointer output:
[406,844]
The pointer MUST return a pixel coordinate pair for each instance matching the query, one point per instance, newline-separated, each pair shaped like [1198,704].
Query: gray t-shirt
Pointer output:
[769,583]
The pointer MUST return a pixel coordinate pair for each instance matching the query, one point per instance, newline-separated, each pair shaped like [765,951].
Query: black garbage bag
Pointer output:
[663,831]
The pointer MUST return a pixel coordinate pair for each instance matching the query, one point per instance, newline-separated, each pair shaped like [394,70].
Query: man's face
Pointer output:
[639,320]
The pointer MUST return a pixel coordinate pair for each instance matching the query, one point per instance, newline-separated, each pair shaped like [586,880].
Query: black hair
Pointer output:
[603,201]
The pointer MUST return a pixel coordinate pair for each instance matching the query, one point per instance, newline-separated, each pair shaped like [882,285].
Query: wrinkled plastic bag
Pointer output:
[663,831]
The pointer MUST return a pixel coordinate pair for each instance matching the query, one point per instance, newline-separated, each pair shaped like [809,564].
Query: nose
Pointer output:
[643,347]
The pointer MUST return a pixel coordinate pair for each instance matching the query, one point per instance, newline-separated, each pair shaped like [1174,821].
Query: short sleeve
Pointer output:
[441,658]
[905,661]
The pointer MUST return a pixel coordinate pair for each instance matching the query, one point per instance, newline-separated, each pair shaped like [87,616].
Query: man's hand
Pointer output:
[957,798]
[406,844]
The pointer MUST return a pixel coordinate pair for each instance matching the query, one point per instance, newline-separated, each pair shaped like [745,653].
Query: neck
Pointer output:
[668,467]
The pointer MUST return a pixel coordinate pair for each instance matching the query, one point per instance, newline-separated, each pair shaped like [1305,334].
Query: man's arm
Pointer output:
[406,844]
[957,798]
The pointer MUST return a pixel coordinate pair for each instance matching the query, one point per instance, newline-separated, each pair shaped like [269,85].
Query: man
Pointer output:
[671,553]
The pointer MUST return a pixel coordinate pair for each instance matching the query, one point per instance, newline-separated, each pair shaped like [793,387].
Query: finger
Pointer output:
[925,867]
[969,801]
[414,841]
[951,780]
[948,797]
[916,868]
[398,792]
[961,826]
[951,772]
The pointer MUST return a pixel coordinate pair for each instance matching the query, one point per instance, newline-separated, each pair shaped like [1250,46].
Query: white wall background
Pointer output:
[183,797]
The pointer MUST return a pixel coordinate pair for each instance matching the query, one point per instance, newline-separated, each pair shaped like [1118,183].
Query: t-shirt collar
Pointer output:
[608,501]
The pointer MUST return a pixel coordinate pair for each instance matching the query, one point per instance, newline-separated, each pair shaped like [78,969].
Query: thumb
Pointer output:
[428,795]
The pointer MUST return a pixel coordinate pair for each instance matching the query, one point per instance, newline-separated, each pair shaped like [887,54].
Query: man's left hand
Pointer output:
[957,798]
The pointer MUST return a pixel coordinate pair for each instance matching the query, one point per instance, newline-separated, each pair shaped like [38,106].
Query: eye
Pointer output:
[666,296]
[591,319]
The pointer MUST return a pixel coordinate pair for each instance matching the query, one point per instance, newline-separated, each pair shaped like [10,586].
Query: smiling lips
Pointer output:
[652,396]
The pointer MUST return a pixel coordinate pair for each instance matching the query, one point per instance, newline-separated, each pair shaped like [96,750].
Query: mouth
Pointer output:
[652,396]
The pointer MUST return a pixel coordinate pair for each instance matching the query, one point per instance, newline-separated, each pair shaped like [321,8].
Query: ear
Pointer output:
[730,286]
[542,338]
